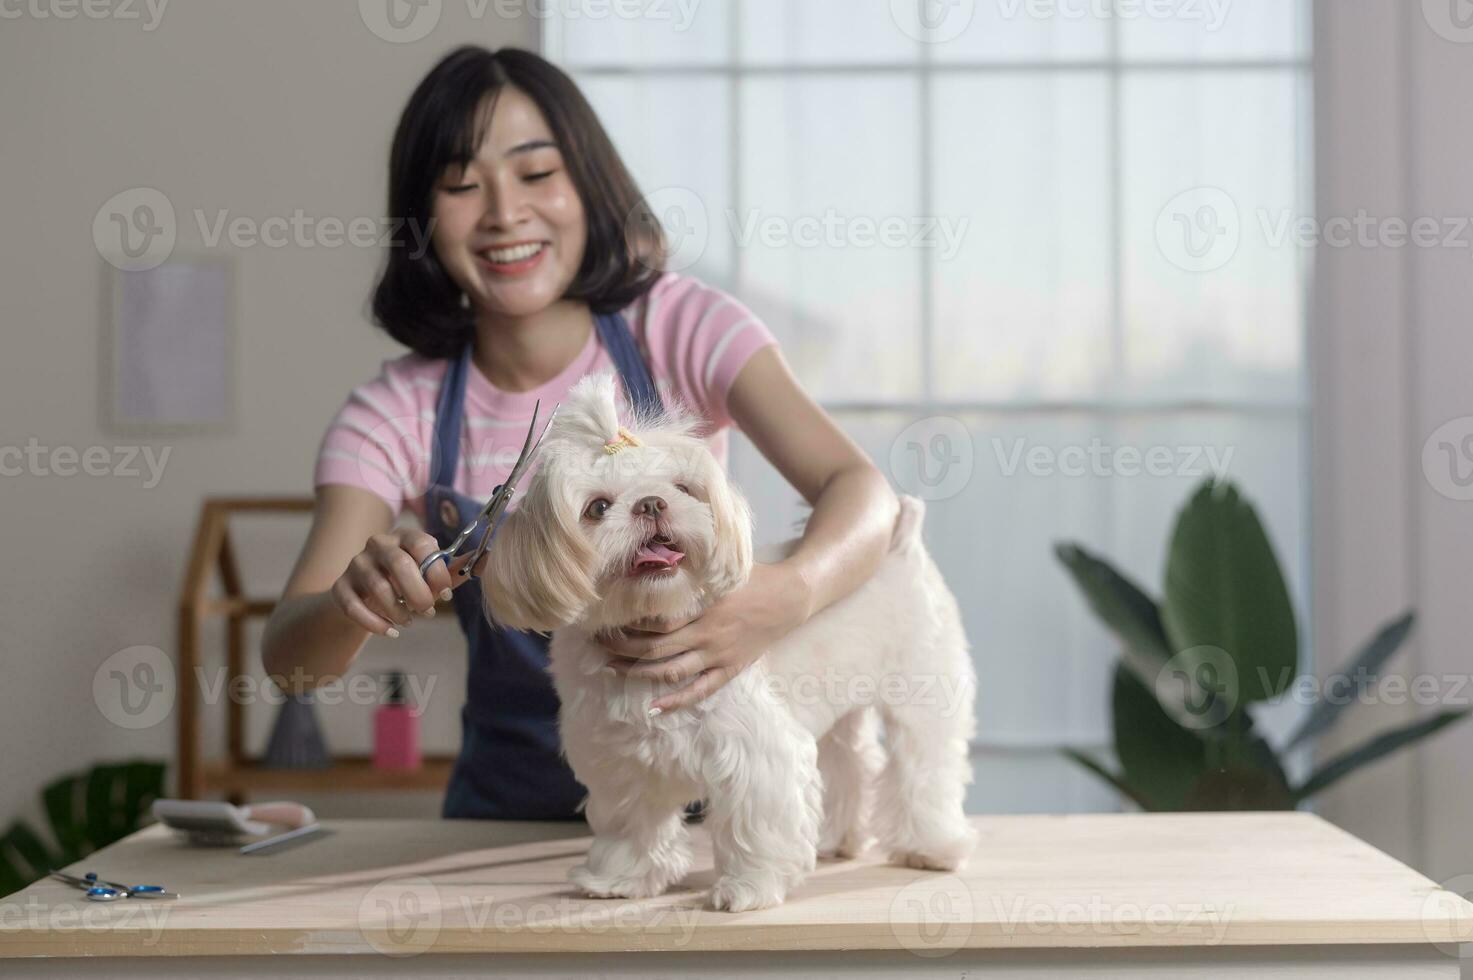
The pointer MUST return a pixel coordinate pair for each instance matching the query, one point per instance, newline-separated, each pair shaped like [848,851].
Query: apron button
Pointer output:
[449,513]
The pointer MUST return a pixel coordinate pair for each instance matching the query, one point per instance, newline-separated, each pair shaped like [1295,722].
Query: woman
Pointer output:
[544,268]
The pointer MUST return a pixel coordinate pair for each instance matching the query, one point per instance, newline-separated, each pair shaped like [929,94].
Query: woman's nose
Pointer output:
[650,506]
[505,209]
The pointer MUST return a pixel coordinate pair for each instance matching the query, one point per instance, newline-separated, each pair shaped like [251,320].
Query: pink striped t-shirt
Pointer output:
[693,337]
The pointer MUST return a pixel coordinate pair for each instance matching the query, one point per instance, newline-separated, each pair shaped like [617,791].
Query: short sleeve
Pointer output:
[379,441]
[701,337]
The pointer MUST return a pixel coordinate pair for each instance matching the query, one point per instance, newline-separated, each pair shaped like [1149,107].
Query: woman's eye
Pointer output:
[540,175]
[460,188]
[597,508]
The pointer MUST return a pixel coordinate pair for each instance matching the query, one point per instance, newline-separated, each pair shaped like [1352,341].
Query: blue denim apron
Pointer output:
[510,765]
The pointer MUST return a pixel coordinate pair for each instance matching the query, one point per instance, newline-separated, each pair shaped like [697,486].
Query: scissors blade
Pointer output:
[502,498]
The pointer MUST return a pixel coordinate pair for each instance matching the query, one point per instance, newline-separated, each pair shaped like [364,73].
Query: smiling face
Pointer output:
[509,226]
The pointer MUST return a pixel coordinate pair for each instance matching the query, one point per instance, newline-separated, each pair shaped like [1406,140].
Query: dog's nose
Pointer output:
[650,507]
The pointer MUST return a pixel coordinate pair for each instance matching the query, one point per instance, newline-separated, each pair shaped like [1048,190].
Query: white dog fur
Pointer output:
[788,754]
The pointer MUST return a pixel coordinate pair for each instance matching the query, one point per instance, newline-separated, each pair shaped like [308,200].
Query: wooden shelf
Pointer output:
[235,775]
[347,774]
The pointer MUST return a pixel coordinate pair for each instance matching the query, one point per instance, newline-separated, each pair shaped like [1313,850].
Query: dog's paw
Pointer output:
[616,886]
[745,894]
[851,845]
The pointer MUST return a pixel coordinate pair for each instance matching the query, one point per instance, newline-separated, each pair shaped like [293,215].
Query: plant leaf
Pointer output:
[1158,757]
[1368,752]
[1126,610]
[1367,664]
[1121,786]
[1225,592]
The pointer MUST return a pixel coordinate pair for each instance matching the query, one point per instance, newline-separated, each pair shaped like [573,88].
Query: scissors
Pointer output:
[110,891]
[495,507]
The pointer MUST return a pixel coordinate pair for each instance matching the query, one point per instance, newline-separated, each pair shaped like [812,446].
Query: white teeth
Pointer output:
[514,254]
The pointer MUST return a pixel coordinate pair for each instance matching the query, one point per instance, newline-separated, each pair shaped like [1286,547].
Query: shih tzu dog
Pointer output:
[623,523]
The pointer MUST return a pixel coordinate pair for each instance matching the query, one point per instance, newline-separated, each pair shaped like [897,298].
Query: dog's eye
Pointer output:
[597,508]
[683,489]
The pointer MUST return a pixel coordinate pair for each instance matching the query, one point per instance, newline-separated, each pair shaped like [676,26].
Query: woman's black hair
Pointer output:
[416,301]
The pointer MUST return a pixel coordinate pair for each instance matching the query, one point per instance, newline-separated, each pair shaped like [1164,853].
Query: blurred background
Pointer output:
[1053,263]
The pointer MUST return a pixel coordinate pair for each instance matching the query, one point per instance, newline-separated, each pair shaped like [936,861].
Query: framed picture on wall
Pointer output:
[168,355]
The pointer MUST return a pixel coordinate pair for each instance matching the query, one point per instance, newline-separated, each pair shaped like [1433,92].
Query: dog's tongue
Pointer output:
[656,555]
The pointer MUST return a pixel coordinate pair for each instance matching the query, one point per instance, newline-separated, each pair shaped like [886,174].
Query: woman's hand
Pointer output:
[385,572]
[716,645]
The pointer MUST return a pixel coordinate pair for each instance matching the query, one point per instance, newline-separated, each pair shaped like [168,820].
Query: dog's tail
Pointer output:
[907,533]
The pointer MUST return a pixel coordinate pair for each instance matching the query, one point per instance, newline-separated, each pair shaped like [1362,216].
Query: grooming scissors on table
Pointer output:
[490,515]
[109,891]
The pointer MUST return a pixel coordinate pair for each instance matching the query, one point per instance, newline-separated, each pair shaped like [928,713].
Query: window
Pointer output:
[1032,254]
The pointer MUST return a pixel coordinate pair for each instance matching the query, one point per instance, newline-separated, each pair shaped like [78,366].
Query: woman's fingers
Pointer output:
[671,671]
[402,573]
[355,609]
[437,577]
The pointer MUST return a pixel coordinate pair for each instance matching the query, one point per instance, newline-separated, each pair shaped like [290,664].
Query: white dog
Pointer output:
[620,524]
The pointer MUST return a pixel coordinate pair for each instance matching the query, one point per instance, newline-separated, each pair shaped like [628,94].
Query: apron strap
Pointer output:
[619,341]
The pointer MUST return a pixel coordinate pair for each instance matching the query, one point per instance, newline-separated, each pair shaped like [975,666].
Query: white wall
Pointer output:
[259,108]
[1392,353]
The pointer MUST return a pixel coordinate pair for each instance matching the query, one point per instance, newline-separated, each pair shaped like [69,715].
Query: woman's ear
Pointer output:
[731,519]
[536,572]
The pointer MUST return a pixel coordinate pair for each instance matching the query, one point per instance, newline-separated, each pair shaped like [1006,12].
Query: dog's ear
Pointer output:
[536,574]
[731,518]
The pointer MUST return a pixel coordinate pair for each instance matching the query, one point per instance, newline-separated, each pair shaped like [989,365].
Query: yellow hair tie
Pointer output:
[626,438]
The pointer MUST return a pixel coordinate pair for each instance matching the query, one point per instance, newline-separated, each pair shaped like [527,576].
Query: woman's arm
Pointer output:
[846,538]
[854,509]
[310,637]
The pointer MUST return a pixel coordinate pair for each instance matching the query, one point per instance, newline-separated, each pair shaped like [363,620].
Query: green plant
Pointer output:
[1222,638]
[86,811]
